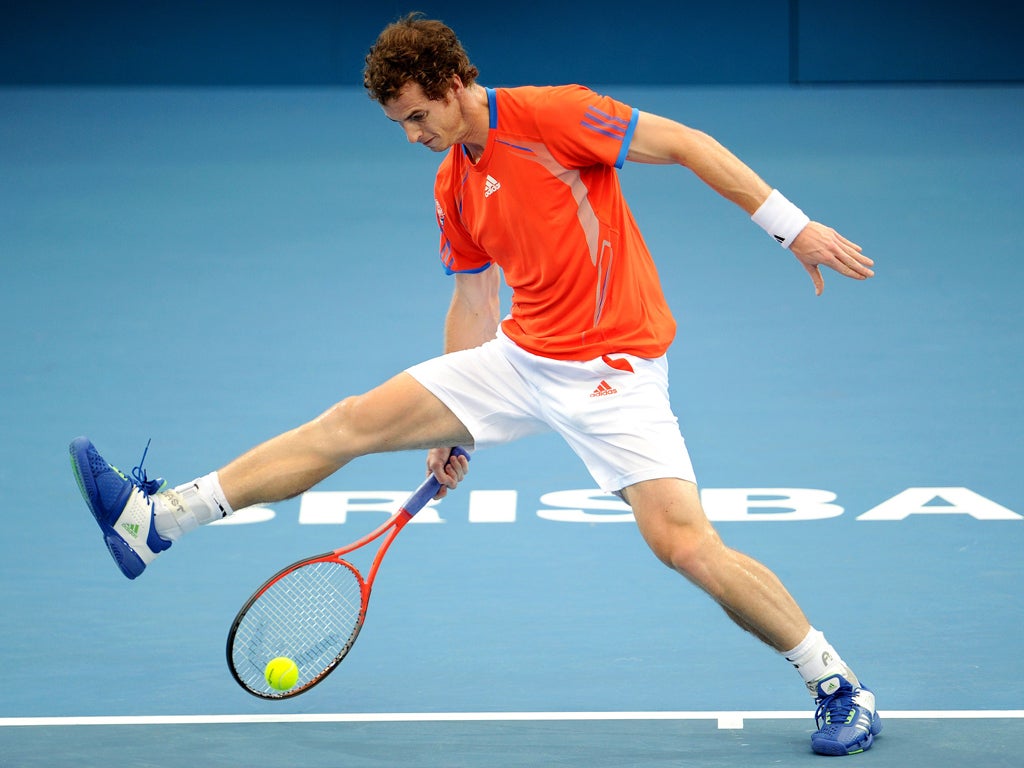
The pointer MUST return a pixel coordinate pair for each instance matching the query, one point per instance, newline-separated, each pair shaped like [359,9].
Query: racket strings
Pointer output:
[309,615]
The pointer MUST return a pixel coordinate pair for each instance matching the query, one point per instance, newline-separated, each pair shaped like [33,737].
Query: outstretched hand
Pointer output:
[819,245]
[449,469]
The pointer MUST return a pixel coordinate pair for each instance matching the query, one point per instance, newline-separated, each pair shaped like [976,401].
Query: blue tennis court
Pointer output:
[209,267]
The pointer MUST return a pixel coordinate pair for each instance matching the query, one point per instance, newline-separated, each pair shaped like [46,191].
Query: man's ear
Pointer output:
[455,87]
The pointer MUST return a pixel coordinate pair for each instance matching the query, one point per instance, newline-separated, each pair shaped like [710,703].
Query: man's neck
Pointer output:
[477,112]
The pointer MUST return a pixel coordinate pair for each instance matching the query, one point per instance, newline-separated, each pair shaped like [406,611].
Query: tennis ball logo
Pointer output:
[281,673]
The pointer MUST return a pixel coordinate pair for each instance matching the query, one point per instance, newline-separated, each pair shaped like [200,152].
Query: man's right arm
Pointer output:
[475,309]
[472,319]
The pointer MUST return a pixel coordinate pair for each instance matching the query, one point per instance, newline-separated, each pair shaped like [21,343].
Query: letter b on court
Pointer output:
[775,504]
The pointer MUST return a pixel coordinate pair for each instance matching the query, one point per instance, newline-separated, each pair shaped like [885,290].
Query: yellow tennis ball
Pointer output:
[281,673]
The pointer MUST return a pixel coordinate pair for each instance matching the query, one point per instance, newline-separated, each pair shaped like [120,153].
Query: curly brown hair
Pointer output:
[419,50]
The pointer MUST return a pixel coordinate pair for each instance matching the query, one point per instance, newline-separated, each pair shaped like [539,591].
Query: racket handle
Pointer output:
[428,489]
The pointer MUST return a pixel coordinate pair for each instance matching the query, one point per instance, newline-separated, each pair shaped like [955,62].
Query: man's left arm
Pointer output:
[662,141]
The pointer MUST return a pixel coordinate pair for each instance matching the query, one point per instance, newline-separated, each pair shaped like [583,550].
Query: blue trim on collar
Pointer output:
[492,111]
[492,107]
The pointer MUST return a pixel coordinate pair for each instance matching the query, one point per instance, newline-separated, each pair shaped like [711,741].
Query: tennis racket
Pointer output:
[311,612]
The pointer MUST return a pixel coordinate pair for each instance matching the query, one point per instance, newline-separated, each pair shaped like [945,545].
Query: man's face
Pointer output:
[436,124]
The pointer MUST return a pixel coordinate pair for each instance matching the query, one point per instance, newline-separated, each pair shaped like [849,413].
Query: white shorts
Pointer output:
[619,422]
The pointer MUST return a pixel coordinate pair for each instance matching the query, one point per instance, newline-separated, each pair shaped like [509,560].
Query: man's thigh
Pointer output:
[400,414]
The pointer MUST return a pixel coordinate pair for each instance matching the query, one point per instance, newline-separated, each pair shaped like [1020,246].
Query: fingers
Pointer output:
[816,278]
[455,469]
[850,268]
[447,468]
[819,245]
[851,260]
[846,257]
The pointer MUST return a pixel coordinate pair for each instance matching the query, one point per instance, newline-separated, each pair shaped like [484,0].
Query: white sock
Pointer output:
[190,505]
[816,659]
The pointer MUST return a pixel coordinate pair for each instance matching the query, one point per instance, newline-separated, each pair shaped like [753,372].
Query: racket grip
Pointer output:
[428,489]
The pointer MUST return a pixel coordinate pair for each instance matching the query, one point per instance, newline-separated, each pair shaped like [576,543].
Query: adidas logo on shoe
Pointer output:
[132,529]
[604,388]
[830,686]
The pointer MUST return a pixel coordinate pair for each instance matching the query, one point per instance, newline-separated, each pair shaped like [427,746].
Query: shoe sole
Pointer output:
[128,561]
[838,750]
[835,749]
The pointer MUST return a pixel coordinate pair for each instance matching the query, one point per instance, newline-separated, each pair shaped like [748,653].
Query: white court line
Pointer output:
[726,720]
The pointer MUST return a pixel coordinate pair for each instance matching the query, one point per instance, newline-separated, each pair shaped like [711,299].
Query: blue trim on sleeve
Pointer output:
[628,138]
[449,271]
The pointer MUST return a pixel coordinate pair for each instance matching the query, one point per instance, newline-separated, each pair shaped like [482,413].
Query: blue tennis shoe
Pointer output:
[121,505]
[846,718]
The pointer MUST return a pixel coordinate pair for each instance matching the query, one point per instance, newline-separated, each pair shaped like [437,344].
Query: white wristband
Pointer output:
[780,218]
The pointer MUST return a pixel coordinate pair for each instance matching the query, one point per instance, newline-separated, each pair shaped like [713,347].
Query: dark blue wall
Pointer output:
[909,40]
[322,42]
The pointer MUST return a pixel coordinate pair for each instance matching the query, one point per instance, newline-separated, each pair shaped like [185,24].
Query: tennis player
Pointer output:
[528,191]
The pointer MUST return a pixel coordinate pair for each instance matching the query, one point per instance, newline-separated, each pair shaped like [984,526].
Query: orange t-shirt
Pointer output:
[544,203]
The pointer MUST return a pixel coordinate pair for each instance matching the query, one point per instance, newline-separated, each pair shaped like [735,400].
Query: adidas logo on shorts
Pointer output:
[604,388]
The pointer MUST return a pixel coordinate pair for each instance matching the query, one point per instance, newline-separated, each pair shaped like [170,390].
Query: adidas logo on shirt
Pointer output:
[604,388]
[491,186]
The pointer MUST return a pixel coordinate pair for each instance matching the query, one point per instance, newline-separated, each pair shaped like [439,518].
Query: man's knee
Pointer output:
[689,549]
[672,521]
[342,427]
